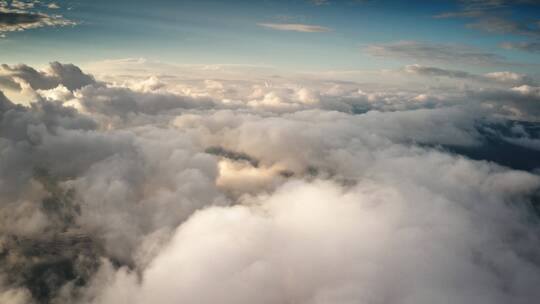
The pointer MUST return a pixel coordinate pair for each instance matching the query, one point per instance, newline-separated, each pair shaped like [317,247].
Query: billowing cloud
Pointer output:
[56,73]
[296,27]
[316,242]
[269,190]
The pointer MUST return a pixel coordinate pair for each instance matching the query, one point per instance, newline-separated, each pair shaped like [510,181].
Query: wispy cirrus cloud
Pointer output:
[319,2]
[493,16]
[496,24]
[53,6]
[527,46]
[296,27]
[433,52]
[503,77]
[491,5]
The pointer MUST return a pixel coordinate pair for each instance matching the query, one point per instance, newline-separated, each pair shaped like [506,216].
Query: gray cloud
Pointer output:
[19,18]
[56,74]
[319,2]
[489,16]
[501,25]
[122,101]
[521,101]
[500,77]
[485,5]
[430,52]
[434,71]
[528,46]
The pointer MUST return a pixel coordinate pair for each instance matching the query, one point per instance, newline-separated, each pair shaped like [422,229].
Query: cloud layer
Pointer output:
[269,190]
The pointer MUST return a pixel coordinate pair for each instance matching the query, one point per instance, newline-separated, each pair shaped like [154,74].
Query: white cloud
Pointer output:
[53,5]
[317,242]
[296,27]
[212,187]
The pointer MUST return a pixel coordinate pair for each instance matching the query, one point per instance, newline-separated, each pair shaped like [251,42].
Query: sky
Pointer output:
[270,152]
[300,35]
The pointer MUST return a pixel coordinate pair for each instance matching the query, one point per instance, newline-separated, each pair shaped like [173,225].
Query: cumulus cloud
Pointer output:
[55,74]
[521,101]
[271,190]
[313,243]
[296,27]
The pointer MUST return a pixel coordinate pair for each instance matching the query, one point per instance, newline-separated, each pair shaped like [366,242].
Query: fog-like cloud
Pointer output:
[269,189]
[296,27]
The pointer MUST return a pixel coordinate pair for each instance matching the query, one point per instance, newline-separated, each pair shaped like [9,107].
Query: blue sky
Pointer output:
[214,32]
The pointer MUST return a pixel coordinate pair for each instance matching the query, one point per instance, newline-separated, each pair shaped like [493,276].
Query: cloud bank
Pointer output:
[268,190]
